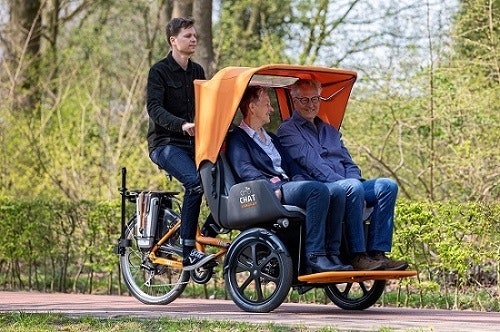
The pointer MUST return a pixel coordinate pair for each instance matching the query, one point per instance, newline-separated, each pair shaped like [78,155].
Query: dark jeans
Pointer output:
[179,162]
[314,198]
[335,218]
[379,193]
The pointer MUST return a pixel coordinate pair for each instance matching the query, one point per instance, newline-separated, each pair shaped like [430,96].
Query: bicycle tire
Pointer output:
[258,271]
[357,295]
[150,283]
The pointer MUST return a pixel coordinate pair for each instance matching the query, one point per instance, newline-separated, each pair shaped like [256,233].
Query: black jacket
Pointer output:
[170,101]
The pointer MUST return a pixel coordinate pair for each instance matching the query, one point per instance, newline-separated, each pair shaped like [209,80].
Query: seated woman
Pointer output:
[256,154]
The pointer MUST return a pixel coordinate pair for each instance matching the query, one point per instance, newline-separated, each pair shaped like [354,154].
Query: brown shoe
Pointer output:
[390,264]
[363,262]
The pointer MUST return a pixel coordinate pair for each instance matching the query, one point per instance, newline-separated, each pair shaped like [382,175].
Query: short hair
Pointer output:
[300,83]
[176,24]
[251,95]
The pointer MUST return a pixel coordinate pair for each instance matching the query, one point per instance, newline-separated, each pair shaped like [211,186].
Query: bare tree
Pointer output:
[202,13]
[24,53]
[182,8]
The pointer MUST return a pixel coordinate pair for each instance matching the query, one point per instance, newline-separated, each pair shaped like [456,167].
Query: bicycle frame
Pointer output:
[201,241]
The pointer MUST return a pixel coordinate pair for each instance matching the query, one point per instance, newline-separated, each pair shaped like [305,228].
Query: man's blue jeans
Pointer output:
[378,193]
[335,218]
[179,162]
[314,198]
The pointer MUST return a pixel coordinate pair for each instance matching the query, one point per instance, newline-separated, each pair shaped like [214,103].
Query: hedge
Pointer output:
[56,246]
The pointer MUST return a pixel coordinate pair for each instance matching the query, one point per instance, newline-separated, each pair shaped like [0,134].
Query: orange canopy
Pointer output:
[217,99]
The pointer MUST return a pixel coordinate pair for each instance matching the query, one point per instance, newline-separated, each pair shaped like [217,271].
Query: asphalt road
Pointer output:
[311,316]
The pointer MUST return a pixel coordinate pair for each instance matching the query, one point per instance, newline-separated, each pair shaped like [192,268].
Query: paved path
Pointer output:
[303,315]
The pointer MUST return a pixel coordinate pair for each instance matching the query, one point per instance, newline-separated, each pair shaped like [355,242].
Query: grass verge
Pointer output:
[33,322]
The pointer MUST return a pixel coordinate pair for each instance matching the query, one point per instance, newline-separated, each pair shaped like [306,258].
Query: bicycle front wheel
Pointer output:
[152,283]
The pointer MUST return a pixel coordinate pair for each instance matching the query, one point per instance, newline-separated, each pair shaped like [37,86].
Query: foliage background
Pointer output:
[425,111]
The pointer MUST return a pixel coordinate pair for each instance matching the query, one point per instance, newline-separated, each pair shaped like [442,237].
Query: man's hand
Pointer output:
[188,128]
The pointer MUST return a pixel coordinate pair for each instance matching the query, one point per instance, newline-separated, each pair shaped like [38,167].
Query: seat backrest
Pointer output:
[217,180]
[240,205]
[226,172]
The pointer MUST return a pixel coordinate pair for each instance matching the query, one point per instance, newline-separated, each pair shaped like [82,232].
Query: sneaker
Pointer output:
[390,264]
[196,259]
[363,262]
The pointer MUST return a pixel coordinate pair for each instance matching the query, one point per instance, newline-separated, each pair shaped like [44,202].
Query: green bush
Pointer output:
[453,245]
[56,246]
[59,246]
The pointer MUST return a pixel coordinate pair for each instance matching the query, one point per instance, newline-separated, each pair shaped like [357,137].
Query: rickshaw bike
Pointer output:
[264,261]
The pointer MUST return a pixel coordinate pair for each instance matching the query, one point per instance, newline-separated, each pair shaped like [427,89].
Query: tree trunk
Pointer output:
[25,53]
[182,8]
[202,13]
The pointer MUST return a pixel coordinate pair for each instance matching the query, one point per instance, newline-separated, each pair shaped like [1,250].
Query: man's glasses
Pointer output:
[305,100]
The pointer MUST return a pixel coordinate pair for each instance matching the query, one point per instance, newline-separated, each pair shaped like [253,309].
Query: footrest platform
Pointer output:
[354,276]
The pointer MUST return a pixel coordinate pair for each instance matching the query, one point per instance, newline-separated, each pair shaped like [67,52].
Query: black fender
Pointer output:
[251,235]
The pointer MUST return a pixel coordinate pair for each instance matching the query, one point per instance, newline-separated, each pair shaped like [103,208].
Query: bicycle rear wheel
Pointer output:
[152,283]
[356,295]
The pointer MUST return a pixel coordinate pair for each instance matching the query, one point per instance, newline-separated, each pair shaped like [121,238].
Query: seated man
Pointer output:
[319,150]
[256,154]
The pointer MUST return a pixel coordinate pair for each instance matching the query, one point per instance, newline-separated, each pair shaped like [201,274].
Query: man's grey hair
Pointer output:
[301,83]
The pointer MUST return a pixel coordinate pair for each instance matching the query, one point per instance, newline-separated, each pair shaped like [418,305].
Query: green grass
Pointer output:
[28,322]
